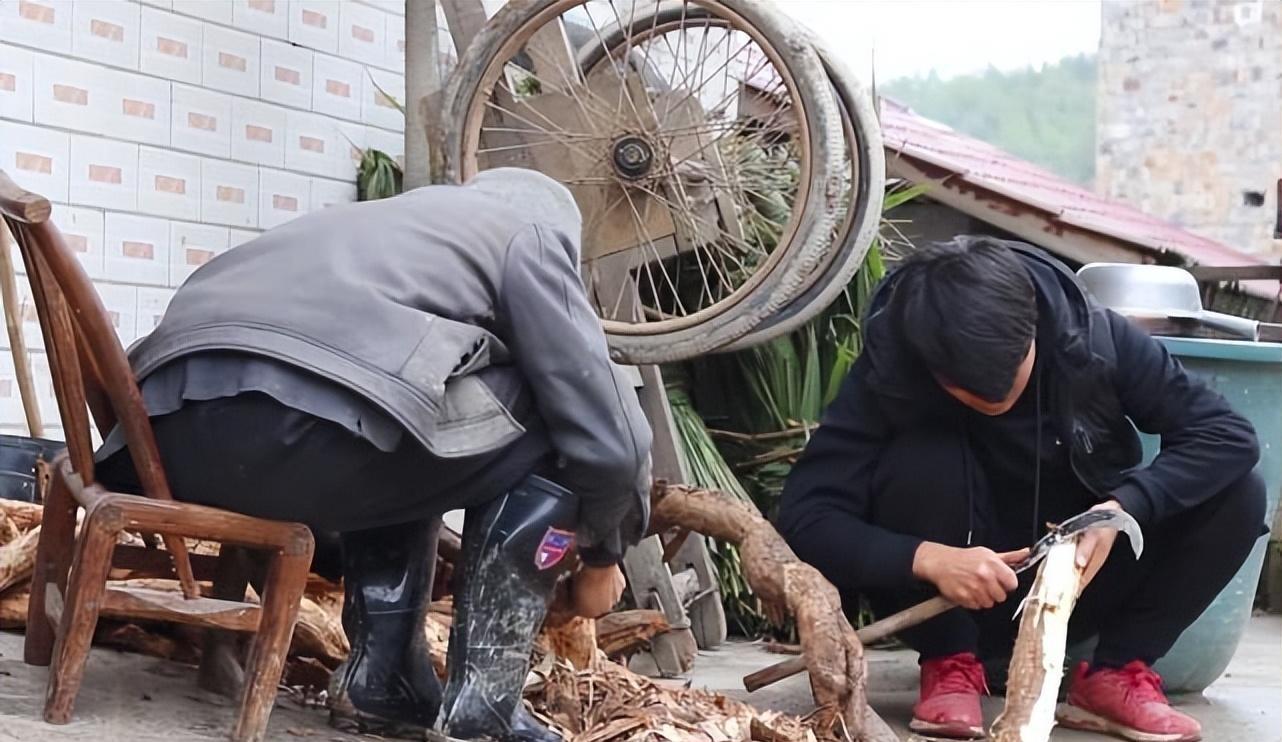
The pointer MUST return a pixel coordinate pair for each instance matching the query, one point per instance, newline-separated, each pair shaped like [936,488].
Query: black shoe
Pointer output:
[387,685]
[515,549]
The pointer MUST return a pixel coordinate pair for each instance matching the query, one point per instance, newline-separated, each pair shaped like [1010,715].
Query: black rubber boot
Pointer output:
[515,549]
[387,685]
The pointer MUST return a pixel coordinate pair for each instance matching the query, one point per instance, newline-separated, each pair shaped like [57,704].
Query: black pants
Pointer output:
[252,455]
[924,487]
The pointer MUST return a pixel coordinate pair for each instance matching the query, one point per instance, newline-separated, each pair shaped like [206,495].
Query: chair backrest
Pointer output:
[90,371]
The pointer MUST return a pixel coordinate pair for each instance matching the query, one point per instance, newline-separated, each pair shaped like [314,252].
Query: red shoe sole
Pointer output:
[1073,717]
[947,731]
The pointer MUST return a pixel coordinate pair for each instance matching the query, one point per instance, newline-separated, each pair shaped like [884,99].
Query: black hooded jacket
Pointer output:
[1104,377]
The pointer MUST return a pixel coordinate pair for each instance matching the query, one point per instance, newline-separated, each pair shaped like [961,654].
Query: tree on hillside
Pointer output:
[1046,115]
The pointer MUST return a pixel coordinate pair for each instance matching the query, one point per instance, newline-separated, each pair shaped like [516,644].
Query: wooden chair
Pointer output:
[69,585]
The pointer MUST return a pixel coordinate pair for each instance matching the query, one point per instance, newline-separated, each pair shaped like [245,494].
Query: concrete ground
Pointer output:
[134,698]
[1244,705]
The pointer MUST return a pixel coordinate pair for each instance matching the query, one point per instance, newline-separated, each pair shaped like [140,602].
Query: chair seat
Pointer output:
[161,605]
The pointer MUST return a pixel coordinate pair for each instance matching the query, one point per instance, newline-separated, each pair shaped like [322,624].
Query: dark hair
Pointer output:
[967,309]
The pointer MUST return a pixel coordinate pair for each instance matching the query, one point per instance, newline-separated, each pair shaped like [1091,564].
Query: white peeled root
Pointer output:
[1037,663]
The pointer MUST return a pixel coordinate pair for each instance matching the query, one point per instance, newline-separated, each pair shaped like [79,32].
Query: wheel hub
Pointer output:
[632,157]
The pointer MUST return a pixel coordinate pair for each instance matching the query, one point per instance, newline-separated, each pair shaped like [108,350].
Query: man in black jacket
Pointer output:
[994,396]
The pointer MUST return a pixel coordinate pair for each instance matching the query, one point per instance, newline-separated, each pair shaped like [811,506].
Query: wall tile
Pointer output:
[151,308]
[166,4]
[82,230]
[228,194]
[258,132]
[376,107]
[282,197]
[11,409]
[31,334]
[230,61]
[171,45]
[327,193]
[37,159]
[362,34]
[218,11]
[107,32]
[68,94]
[104,173]
[202,121]
[17,81]
[121,303]
[191,246]
[262,17]
[43,24]
[137,108]
[314,24]
[389,142]
[137,249]
[168,184]
[351,144]
[239,237]
[391,6]
[396,41]
[311,143]
[286,74]
[337,87]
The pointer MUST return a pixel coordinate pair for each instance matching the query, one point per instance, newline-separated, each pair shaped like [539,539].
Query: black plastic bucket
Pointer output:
[18,456]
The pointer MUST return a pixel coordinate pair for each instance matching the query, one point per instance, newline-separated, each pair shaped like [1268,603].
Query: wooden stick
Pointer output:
[873,632]
[17,344]
[1037,664]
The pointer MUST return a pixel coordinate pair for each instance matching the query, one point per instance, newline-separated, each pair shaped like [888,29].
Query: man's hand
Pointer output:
[973,578]
[1094,546]
[595,590]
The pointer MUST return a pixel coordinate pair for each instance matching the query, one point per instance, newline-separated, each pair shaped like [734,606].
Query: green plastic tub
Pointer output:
[1249,375]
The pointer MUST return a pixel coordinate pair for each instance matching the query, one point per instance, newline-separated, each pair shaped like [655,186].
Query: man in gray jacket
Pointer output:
[365,369]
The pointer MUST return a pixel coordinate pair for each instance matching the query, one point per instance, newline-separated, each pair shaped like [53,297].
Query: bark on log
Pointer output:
[319,634]
[1037,663]
[626,632]
[574,641]
[18,559]
[13,608]
[785,584]
[20,516]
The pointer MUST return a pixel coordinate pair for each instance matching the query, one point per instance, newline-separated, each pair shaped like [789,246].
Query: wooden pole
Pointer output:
[17,345]
[423,164]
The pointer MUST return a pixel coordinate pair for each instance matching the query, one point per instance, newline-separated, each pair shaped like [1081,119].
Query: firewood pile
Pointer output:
[590,697]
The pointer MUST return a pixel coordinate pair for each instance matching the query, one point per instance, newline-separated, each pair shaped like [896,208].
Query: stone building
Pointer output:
[1190,114]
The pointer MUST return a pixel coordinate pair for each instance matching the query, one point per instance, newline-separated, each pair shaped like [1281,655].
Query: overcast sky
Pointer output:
[953,37]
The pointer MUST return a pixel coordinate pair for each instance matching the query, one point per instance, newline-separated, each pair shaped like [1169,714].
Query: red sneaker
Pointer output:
[1128,703]
[949,704]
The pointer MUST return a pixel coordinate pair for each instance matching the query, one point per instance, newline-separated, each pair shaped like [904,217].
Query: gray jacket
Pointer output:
[403,300]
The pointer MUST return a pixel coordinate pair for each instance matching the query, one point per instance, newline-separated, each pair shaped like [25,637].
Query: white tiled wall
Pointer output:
[169,131]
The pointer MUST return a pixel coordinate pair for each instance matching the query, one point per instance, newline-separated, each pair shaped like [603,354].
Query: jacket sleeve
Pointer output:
[1205,444]
[825,508]
[592,414]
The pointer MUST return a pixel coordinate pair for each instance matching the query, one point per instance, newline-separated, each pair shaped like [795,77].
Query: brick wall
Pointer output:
[167,132]
[1189,118]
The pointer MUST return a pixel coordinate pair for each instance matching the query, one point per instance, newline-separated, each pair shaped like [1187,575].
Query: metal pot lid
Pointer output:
[1143,290]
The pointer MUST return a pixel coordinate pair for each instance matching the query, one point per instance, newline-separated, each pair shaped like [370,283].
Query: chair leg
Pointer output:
[53,560]
[286,580]
[84,593]
[220,667]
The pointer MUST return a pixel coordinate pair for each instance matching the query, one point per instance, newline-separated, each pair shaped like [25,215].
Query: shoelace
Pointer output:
[1141,683]
[954,675]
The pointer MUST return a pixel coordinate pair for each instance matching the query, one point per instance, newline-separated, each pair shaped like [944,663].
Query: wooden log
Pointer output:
[13,608]
[319,634]
[786,585]
[625,632]
[18,559]
[1037,663]
[23,516]
[574,640]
